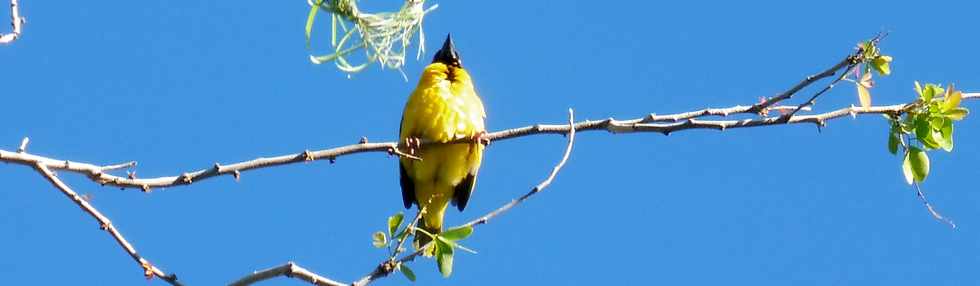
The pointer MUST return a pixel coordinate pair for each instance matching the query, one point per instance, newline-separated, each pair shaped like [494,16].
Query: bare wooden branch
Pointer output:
[290,270]
[16,21]
[649,123]
[149,270]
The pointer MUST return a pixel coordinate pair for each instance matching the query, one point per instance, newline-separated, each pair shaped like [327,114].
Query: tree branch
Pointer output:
[16,21]
[664,124]
[148,269]
[290,270]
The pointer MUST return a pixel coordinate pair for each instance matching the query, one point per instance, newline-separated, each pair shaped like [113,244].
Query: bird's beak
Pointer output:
[447,54]
[448,44]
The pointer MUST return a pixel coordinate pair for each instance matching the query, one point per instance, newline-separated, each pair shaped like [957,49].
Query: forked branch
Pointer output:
[149,270]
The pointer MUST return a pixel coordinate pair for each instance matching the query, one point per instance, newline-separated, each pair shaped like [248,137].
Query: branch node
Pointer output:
[186,178]
[238,175]
[147,269]
[307,155]
[146,188]
[217,167]
[363,140]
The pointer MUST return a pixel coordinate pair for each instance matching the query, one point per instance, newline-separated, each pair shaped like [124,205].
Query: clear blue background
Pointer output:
[180,85]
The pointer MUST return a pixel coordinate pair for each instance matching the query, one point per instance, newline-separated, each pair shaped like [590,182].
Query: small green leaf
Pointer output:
[956,113]
[446,241]
[930,92]
[936,122]
[457,233]
[923,132]
[893,142]
[394,222]
[444,257]
[907,169]
[952,100]
[379,240]
[908,124]
[881,64]
[407,272]
[918,89]
[919,163]
[947,134]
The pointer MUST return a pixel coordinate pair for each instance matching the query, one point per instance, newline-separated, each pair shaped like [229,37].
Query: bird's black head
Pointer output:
[447,54]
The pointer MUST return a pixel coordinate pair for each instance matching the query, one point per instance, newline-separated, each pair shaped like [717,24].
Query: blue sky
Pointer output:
[181,85]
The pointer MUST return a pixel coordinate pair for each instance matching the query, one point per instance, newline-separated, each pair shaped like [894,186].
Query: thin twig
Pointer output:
[761,107]
[541,186]
[932,211]
[410,228]
[383,269]
[149,270]
[290,270]
[16,21]
[809,102]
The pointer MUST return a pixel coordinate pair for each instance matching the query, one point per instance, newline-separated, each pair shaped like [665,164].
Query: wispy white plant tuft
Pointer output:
[385,36]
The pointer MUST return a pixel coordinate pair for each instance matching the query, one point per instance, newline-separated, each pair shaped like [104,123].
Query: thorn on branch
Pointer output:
[23,145]
[238,175]
[363,140]
[307,155]
[118,166]
[146,189]
[399,153]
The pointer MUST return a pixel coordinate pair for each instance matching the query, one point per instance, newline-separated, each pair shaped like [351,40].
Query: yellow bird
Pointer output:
[443,107]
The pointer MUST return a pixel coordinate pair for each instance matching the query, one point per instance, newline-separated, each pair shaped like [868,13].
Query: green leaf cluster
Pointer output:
[871,59]
[927,125]
[443,244]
